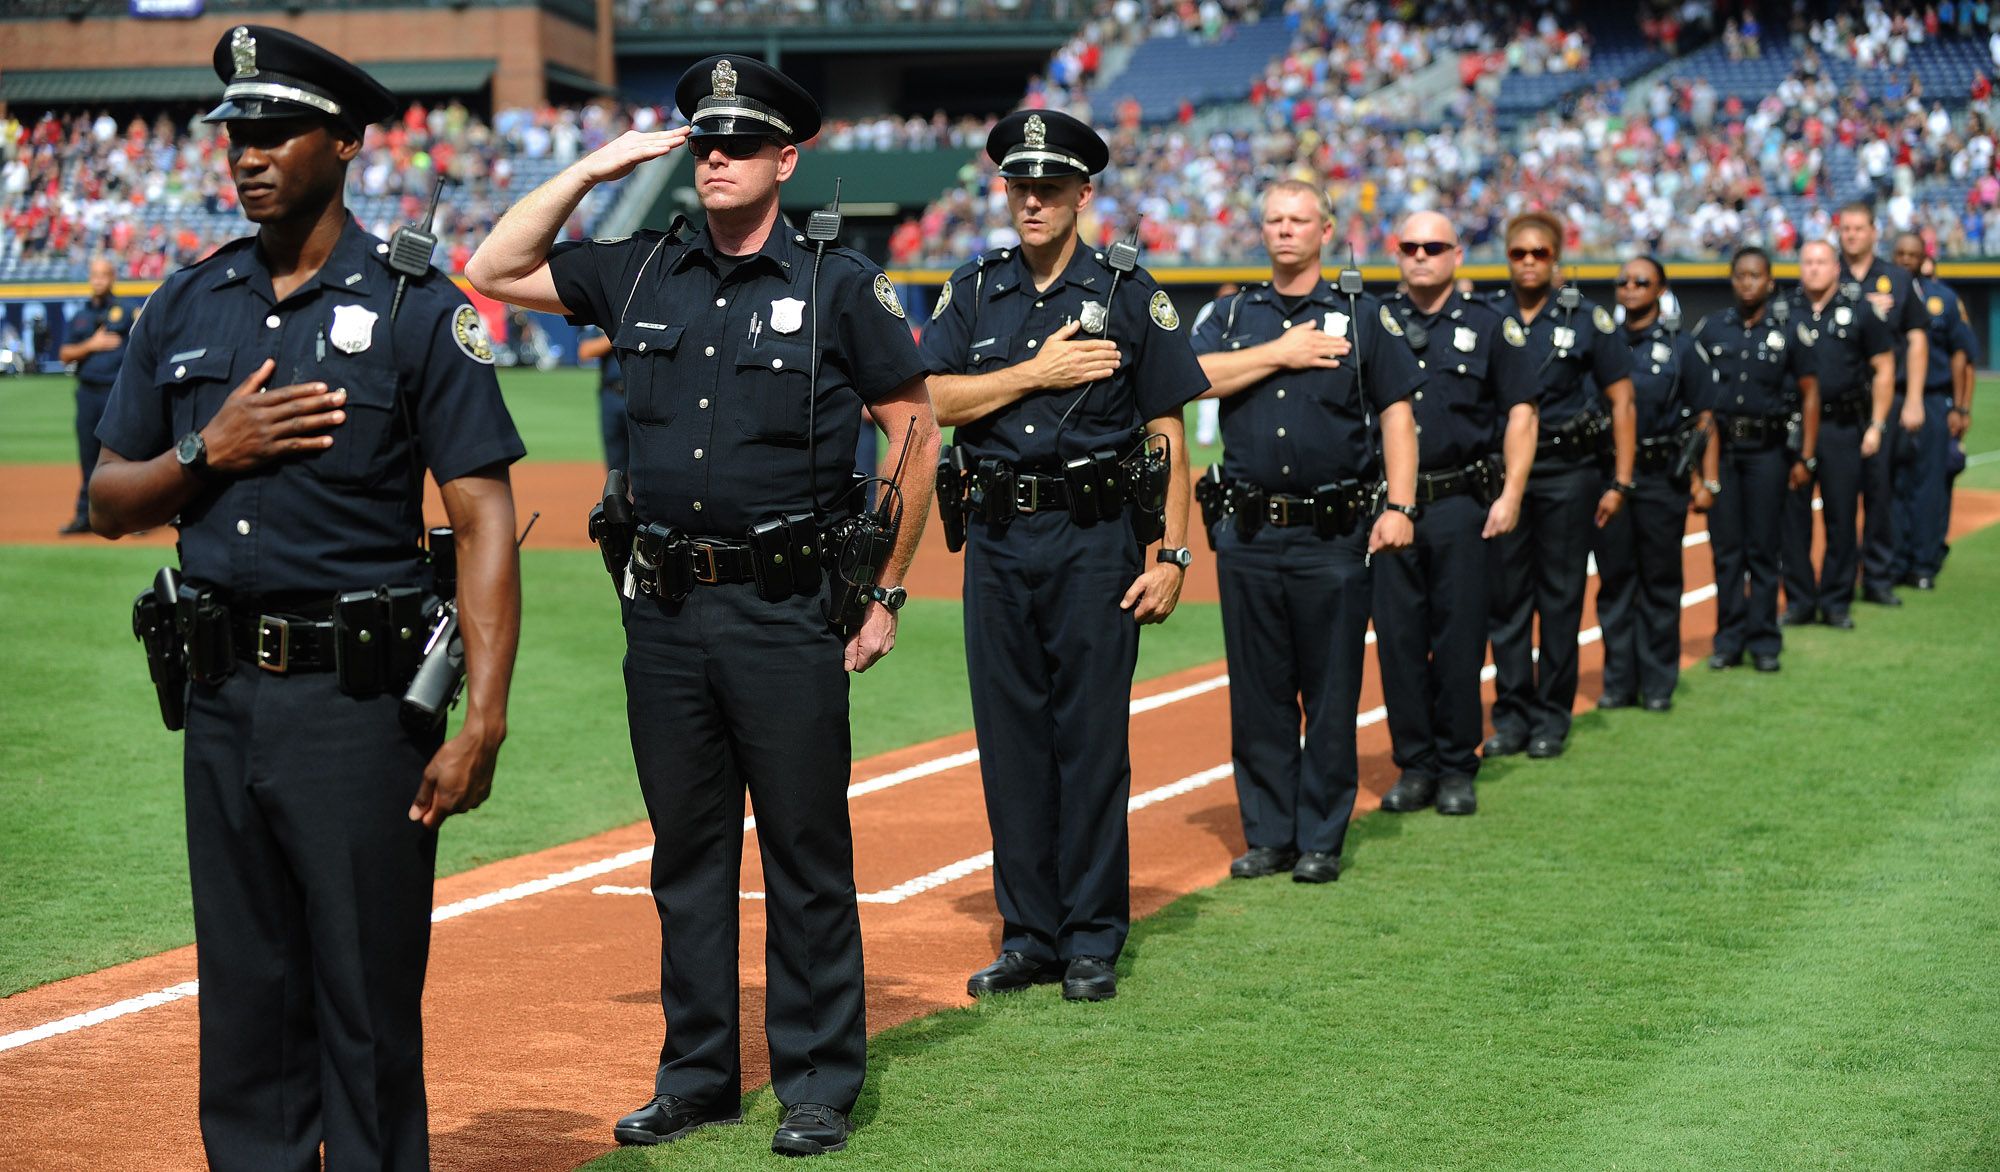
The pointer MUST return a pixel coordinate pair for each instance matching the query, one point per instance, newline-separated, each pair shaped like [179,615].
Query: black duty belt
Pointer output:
[1657,453]
[1576,439]
[1754,430]
[715,562]
[1435,486]
[278,638]
[1040,492]
[1852,410]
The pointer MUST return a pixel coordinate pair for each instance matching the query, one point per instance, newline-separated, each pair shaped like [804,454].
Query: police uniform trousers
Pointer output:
[1878,495]
[91,399]
[1639,589]
[1539,570]
[611,421]
[1744,529]
[1831,591]
[1051,657]
[1430,639]
[312,902]
[1922,492]
[1295,628]
[726,691]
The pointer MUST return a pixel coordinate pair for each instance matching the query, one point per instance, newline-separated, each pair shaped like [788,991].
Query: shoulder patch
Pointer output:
[1389,322]
[943,302]
[1601,318]
[1935,305]
[1162,308]
[470,333]
[1512,331]
[885,292]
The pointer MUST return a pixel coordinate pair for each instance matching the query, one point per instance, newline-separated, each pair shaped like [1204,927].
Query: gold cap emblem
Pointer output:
[243,50]
[723,80]
[1037,132]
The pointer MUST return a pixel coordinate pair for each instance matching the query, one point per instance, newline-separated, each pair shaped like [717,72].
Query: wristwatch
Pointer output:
[1811,463]
[1410,511]
[192,452]
[1711,487]
[1624,487]
[892,597]
[1180,556]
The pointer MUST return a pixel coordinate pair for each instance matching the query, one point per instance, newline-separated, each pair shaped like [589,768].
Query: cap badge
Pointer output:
[1036,133]
[723,79]
[243,50]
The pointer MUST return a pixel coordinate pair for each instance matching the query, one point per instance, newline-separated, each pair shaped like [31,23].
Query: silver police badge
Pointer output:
[1336,324]
[1092,317]
[1563,337]
[1774,341]
[243,51]
[787,315]
[1464,339]
[1662,352]
[1843,316]
[353,328]
[1036,133]
[722,79]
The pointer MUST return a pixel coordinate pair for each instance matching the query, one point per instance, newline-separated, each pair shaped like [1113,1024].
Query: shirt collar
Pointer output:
[1083,270]
[777,253]
[1322,293]
[353,266]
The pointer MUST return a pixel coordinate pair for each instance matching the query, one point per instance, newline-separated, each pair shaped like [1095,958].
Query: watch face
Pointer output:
[191,449]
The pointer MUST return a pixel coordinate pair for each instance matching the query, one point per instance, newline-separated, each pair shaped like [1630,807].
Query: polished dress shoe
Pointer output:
[1659,703]
[668,1118]
[1543,748]
[1316,867]
[1412,791]
[1881,597]
[1722,661]
[1014,970]
[1799,617]
[1090,978]
[810,1129]
[1455,796]
[1839,622]
[1764,662]
[78,525]
[1610,703]
[1503,744]
[1259,861]
[1923,582]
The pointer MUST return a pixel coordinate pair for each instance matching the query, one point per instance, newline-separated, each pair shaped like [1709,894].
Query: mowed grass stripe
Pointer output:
[1757,933]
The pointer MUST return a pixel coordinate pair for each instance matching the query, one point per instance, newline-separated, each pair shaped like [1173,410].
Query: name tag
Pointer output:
[188,355]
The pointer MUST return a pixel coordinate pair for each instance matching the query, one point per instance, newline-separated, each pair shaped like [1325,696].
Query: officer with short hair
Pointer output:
[1539,570]
[1298,483]
[1475,425]
[1064,369]
[1854,356]
[97,331]
[749,358]
[610,397]
[1750,357]
[1922,480]
[279,404]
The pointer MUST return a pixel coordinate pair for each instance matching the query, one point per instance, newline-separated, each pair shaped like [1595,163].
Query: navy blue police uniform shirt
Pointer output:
[1905,313]
[1668,383]
[1752,368]
[1943,314]
[1845,338]
[609,376]
[1299,429]
[99,369]
[1473,375]
[1577,352]
[990,317]
[717,357]
[345,518]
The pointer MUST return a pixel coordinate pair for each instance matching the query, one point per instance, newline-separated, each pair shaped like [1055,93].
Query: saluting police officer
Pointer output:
[1922,480]
[266,408]
[748,361]
[1854,356]
[1889,291]
[1639,550]
[1058,368]
[1475,425]
[611,414]
[1298,480]
[1540,568]
[1750,356]
[97,331]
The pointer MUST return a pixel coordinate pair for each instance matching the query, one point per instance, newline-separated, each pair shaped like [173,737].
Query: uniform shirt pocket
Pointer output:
[987,354]
[773,393]
[645,357]
[195,381]
[361,443]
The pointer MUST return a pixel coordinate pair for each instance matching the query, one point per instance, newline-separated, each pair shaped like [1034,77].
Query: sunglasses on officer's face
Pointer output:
[1427,247]
[736,146]
[1535,253]
[1635,282]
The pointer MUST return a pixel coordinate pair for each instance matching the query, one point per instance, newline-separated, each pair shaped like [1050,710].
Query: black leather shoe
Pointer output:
[1723,662]
[810,1129]
[1411,792]
[668,1118]
[1503,744]
[1839,622]
[1923,582]
[1609,703]
[1316,867]
[1259,861]
[1764,662]
[1013,971]
[1543,748]
[1090,978]
[1455,796]
[1881,597]
[1800,617]
[1659,704]
[79,524]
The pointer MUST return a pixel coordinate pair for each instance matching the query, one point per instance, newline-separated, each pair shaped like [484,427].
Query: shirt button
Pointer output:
[1288,323]
[697,453]
[709,351]
[642,347]
[378,248]
[777,364]
[1420,429]
[697,506]
[180,372]
[1419,396]
[1286,470]
[243,527]
[720,302]
[1031,343]
[1281,392]
[704,404]
[273,321]
[1420,364]
[1461,368]
[1281,433]
[1030,429]
[1038,305]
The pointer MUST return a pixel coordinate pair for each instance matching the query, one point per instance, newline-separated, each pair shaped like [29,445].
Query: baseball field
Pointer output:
[1761,931]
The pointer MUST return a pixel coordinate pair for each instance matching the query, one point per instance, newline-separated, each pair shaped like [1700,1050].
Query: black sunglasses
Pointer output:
[736,146]
[1427,247]
[1525,253]
[1635,282]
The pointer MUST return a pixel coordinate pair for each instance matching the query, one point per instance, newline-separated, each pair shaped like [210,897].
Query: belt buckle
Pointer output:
[270,628]
[1027,493]
[1278,511]
[704,552]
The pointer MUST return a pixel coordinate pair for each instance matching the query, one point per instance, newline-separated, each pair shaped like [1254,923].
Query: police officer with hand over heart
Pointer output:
[752,579]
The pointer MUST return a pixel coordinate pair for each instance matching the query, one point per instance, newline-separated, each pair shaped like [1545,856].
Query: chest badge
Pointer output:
[353,328]
[1843,316]
[1662,352]
[1335,324]
[1563,338]
[1092,318]
[1774,341]
[1464,339]
[787,315]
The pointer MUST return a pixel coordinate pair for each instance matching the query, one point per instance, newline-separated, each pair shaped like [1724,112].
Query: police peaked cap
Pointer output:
[733,94]
[1046,144]
[270,73]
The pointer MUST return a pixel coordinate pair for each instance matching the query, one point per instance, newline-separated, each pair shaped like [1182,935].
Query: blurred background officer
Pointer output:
[1038,363]
[738,424]
[1300,468]
[267,401]
[1639,550]
[1959,418]
[97,331]
[1539,569]
[1888,290]
[1478,396]
[1922,480]
[1854,356]
[1749,357]
[610,397]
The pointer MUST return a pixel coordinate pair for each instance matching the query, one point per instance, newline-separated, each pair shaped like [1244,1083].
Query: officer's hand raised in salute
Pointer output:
[622,155]
[255,426]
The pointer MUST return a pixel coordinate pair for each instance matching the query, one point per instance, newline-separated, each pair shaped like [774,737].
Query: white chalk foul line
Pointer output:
[98,1016]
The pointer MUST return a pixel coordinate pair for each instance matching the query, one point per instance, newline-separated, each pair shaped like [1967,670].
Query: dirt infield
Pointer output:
[541,1008]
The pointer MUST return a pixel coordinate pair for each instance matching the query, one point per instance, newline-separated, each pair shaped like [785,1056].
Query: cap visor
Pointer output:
[733,124]
[260,110]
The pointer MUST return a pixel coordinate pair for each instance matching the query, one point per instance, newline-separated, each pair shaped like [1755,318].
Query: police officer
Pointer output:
[610,397]
[1749,356]
[97,332]
[748,359]
[1854,355]
[1042,355]
[266,407]
[1922,485]
[1298,475]
[1540,568]
[1889,291]
[1476,403]
[1639,550]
